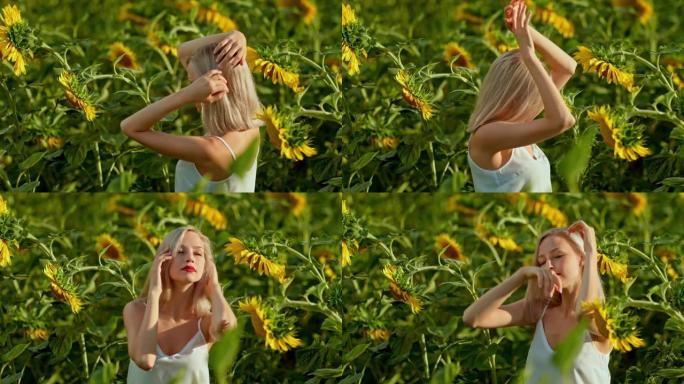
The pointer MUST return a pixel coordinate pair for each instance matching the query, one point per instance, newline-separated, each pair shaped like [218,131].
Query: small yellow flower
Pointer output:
[385,142]
[674,67]
[348,248]
[273,71]
[604,69]
[348,15]
[256,261]
[452,250]
[612,267]
[307,9]
[50,142]
[3,207]
[125,14]
[296,201]
[209,213]
[155,41]
[211,15]
[639,202]
[113,249]
[377,334]
[128,58]
[76,95]
[61,288]
[454,50]
[412,96]
[540,207]
[506,243]
[461,13]
[37,334]
[15,36]
[627,143]
[141,231]
[400,294]
[4,254]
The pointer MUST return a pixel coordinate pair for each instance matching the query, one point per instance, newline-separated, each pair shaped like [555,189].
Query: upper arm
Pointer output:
[560,78]
[132,315]
[195,149]
[501,135]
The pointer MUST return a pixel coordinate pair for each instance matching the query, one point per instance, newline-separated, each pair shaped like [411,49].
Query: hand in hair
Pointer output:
[156,279]
[588,236]
[209,87]
[210,280]
[231,50]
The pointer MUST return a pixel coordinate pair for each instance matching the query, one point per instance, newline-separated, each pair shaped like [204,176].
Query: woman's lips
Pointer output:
[189,269]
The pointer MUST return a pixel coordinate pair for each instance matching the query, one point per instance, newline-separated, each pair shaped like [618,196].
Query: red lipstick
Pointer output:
[189,268]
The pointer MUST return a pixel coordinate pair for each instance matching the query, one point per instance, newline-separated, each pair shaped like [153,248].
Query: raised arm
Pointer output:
[557,117]
[561,64]
[139,126]
[222,316]
[141,320]
[231,44]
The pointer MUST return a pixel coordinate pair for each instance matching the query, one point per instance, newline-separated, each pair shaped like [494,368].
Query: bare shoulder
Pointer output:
[134,309]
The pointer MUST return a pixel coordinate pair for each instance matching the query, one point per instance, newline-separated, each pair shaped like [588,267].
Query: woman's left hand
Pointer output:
[231,50]
[588,236]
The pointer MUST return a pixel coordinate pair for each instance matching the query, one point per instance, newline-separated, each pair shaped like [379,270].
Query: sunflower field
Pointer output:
[413,72]
[71,71]
[352,289]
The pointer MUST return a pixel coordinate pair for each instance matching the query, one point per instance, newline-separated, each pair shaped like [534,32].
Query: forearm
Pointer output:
[186,49]
[222,317]
[557,59]
[144,119]
[147,334]
[589,290]
[493,299]
[554,105]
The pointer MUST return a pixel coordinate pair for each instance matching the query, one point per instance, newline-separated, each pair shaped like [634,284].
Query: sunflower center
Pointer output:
[21,36]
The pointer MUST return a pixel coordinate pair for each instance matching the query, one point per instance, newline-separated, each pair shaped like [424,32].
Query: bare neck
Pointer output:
[181,304]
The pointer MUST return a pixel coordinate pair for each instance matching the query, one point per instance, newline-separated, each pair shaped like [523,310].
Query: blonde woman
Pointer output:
[502,151]
[181,311]
[565,274]
[223,91]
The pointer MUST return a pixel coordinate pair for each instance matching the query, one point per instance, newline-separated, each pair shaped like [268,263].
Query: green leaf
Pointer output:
[14,352]
[446,374]
[351,379]
[355,352]
[569,348]
[31,160]
[363,160]
[244,162]
[330,324]
[330,372]
[575,162]
[224,352]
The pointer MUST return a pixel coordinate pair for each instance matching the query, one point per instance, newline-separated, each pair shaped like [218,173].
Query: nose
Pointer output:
[549,264]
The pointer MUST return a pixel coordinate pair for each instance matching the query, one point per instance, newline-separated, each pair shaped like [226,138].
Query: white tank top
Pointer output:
[521,173]
[194,358]
[187,177]
[590,366]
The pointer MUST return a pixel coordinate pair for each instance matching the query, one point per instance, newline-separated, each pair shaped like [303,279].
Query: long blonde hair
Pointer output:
[172,241]
[508,92]
[534,296]
[237,110]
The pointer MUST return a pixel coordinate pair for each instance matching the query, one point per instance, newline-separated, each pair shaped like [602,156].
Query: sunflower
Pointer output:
[413,94]
[155,41]
[499,40]
[349,247]
[111,247]
[454,50]
[326,258]
[643,8]
[124,15]
[454,205]
[401,287]
[541,208]
[307,10]
[256,261]
[272,70]
[639,202]
[673,67]
[452,250]
[385,142]
[296,201]
[4,253]
[277,330]
[377,334]
[77,95]
[354,40]
[62,288]
[604,69]
[625,139]
[16,39]
[211,15]
[143,233]
[461,13]
[209,213]
[128,58]
[335,65]
[292,139]
[504,242]
[619,327]
[614,268]
[548,15]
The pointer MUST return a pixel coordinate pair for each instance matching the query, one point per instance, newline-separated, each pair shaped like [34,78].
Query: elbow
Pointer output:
[125,128]
[567,122]
[145,362]
[470,319]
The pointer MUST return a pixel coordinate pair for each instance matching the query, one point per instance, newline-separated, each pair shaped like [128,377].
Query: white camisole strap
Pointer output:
[227,146]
